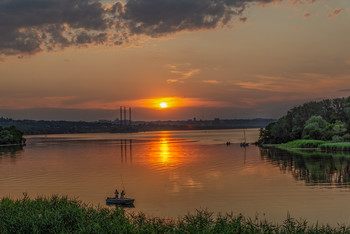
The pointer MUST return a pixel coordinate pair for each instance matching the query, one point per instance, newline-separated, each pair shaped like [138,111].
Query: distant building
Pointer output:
[116,121]
[216,120]
[104,121]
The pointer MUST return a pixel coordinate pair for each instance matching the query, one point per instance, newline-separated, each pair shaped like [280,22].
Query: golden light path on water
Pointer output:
[172,173]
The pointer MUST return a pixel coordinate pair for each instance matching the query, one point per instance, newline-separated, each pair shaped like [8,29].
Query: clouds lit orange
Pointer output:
[251,58]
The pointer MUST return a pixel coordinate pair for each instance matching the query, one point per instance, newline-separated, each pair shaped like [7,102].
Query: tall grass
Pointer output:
[336,146]
[303,144]
[326,146]
[63,215]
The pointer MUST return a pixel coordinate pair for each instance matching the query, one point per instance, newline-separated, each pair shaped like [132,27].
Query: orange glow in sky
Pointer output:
[171,69]
[163,102]
[174,102]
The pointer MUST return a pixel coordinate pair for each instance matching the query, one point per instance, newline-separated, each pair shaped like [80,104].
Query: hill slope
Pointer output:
[325,120]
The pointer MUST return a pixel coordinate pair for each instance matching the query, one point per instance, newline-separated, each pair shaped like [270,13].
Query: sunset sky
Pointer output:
[82,59]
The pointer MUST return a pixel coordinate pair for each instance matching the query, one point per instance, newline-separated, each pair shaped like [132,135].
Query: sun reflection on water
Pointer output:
[164,150]
[165,154]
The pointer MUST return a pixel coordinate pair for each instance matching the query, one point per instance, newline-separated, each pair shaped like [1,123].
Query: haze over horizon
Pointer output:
[229,59]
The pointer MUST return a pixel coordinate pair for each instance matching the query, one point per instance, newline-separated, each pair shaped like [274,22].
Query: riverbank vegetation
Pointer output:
[327,120]
[335,146]
[323,146]
[303,144]
[312,148]
[63,215]
[11,136]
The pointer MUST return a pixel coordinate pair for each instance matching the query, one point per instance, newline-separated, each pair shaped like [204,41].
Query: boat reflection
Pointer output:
[120,205]
[315,168]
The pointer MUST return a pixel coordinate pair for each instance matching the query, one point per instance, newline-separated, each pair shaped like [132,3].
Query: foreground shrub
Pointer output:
[63,215]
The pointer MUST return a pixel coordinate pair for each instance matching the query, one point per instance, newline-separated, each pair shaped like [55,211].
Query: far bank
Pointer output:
[41,127]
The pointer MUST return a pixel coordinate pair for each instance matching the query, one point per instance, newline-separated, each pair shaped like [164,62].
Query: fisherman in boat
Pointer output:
[117,193]
[122,194]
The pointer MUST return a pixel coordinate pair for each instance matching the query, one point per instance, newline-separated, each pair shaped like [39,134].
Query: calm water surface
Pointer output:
[173,173]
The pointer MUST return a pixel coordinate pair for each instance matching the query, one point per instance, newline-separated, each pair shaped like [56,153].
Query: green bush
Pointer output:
[346,137]
[11,135]
[338,146]
[305,143]
[315,127]
[337,138]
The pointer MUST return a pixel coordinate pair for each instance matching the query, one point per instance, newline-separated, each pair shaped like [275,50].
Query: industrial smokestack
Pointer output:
[124,115]
[121,115]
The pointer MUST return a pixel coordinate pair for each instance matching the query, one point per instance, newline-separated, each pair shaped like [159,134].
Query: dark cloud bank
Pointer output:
[29,26]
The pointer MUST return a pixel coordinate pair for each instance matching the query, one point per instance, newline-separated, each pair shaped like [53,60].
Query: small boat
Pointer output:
[244,143]
[120,201]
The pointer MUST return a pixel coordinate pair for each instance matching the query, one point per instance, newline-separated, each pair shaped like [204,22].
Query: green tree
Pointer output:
[5,137]
[315,128]
[292,126]
[11,135]
[339,128]
[265,136]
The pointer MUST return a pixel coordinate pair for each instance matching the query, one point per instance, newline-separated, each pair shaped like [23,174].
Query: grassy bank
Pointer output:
[63,215]
[303,144]
[334,147]
[325,146]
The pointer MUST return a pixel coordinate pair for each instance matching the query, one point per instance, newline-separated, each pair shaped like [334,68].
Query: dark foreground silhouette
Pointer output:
[63,215]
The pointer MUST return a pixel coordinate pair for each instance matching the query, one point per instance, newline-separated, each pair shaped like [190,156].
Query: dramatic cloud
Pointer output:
[26,26]
[30,26]
[158,17]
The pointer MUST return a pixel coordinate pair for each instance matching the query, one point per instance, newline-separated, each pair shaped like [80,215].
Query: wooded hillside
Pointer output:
[325,120]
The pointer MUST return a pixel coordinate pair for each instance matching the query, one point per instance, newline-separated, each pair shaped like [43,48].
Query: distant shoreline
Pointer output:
[155,130]
[33,127]
[8,145]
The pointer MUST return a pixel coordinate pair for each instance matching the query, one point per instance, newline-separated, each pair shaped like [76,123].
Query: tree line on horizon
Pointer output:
[34,127]
[327,120]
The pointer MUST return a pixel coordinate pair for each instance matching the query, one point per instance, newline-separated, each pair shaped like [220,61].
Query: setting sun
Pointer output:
[163,105]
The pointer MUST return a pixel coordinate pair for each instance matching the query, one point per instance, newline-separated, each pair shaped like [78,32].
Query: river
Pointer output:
[172,173]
